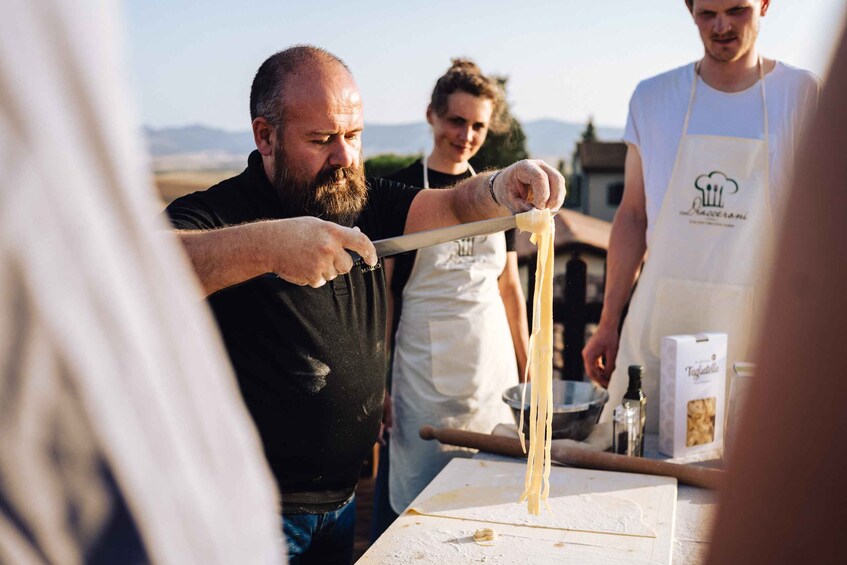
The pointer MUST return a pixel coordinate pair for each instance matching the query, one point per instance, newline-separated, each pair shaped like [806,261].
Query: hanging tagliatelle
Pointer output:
[540,366]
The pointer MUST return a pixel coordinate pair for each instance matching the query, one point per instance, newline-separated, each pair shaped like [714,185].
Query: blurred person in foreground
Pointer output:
[462,336]
[709,159]
[305,330]
[785,494]
[122,435]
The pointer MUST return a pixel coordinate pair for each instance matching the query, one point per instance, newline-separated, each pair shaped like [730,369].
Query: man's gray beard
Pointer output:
[321,197]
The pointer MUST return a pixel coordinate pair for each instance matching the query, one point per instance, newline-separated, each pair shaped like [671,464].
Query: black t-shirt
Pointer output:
[413,176]
[310,361]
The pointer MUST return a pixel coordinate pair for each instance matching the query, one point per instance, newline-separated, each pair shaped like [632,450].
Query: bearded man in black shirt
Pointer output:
[305,330]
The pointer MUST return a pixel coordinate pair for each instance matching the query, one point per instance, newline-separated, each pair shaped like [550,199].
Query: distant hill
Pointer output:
[199,147]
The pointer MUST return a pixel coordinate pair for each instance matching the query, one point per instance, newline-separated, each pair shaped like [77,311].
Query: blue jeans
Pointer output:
[322,539]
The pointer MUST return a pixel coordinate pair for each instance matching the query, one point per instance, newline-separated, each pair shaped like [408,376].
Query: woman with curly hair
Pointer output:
[461,330]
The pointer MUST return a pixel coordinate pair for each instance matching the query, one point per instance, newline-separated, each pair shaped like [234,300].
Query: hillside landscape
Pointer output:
[195,157]
[202,147]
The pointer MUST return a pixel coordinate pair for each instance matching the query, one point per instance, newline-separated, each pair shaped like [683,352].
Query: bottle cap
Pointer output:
[635,374]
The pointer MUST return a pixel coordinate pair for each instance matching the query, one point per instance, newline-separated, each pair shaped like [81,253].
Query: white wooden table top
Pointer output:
[696,509]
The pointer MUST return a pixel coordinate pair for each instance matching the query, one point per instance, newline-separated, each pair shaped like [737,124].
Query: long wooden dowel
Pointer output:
[576,457]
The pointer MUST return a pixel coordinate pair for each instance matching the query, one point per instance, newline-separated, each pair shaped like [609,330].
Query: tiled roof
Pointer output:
[572,228]
[601,155]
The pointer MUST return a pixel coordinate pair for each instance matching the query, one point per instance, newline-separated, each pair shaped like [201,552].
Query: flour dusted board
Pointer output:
[600,517]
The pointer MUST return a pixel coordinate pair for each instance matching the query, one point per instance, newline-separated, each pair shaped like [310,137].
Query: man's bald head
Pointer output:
[268,90]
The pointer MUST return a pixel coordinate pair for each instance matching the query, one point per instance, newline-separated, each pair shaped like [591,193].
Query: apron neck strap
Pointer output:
[764,100]
[691,98]
[760,64]
[426,171]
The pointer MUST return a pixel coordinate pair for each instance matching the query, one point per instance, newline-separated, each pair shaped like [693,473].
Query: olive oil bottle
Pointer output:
[634,398]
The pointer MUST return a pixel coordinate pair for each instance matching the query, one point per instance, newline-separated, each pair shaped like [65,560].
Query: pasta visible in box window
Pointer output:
[700,427]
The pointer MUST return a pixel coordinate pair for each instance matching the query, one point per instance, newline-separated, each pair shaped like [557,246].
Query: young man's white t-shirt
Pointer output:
[657,114]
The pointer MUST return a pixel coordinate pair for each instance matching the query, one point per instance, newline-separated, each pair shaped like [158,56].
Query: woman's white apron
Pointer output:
[453,356]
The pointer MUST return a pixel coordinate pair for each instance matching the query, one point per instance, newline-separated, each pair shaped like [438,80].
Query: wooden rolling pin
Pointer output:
[577,457]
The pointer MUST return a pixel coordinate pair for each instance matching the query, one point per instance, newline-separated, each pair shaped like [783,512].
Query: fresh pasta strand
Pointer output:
[540,366]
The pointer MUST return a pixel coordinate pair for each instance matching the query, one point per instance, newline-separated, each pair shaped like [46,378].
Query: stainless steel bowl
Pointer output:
[576,407]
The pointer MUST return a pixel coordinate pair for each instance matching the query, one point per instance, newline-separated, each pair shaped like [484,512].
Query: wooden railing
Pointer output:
[570,305]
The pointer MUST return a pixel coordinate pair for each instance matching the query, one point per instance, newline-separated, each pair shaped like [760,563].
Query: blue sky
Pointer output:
[192,62]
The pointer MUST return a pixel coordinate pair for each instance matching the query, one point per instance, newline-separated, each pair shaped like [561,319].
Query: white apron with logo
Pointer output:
[453,357]
[706,255]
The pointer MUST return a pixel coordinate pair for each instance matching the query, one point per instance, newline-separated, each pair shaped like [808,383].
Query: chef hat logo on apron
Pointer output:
[465,247]
[712,188]
[709,201]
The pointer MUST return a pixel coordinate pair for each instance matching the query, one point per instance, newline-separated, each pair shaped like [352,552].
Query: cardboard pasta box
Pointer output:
[692,390]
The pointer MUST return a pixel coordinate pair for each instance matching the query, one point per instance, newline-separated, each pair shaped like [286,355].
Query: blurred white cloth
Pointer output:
[109,361]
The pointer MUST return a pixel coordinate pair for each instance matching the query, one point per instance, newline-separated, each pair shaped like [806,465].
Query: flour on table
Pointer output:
[595,512]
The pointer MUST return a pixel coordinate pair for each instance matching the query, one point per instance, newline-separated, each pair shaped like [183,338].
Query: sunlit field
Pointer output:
[173,184]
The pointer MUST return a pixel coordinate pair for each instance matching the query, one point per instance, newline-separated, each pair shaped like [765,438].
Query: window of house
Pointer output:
[614,194]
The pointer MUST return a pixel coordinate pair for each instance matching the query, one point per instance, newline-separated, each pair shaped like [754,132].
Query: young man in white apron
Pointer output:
[710,152]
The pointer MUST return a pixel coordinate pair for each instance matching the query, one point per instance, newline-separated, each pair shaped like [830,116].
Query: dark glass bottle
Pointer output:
[635,397]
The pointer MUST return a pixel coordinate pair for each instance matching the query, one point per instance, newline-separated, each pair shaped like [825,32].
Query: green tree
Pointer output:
[589,134]
[502,149]
[575,179]
[387,163]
